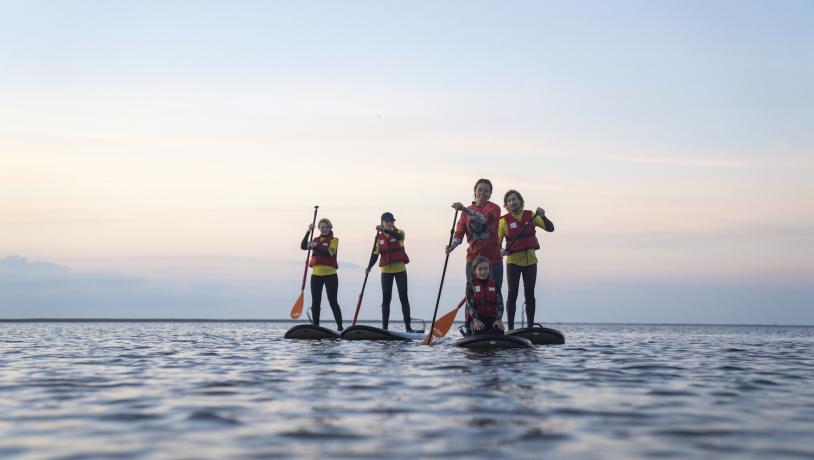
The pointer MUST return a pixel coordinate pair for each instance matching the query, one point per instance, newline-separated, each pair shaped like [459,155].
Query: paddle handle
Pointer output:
[443,275]
[308,254]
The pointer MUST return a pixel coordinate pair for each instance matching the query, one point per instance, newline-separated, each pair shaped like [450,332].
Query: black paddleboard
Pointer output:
[360,332]
[539,335]
[491,341]
[310,332]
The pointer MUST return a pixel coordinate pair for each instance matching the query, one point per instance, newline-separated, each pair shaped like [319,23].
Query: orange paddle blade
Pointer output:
[296,310]
[444,323]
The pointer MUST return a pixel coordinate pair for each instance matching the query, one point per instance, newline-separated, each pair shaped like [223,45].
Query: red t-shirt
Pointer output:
[482,240]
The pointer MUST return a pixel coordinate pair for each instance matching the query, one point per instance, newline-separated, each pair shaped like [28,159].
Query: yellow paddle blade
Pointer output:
[296,310]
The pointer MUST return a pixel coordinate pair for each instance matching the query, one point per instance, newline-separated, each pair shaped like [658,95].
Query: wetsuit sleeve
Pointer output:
[460,229]
[475,215]
[397,234]
[330,251]
[373,258]
[502,230]
[547,224]
[321,252]
[304,244]
[470,302]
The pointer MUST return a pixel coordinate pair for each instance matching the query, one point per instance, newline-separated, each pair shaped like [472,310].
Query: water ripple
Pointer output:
[238,390]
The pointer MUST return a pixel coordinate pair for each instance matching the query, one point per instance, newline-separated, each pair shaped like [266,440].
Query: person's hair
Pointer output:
[480,260]
[506,198]
[325,221]
[483,181]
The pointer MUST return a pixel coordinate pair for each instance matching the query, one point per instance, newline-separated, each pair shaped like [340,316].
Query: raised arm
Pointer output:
[540,220]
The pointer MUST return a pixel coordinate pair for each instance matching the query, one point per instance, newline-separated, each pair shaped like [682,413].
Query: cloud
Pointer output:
[46,290]
[38,289]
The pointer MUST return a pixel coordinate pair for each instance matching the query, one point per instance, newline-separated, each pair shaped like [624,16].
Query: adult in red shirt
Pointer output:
[479,223]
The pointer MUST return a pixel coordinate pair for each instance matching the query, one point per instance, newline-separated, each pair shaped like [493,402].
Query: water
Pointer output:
[238,390]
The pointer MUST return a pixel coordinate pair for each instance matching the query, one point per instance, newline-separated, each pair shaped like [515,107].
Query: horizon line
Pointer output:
[287,320]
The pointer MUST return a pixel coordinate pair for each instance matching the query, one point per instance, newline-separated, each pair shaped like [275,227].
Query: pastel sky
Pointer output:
[163,158]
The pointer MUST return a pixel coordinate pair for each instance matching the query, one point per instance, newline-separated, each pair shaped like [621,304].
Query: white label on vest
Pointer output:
[491,289]
[381,241]
[477,288]
[513,225]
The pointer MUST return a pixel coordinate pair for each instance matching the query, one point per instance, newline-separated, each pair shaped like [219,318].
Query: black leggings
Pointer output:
[513,273]
[387,295]
[331,283]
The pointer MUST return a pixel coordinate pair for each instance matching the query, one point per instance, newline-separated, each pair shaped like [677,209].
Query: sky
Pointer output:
[162,159]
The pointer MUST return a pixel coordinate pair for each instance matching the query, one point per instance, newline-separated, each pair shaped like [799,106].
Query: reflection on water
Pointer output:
[238,390]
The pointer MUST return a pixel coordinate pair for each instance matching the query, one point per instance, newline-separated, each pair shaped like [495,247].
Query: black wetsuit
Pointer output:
[387,288]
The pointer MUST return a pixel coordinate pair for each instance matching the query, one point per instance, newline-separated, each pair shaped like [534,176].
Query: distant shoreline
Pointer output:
[286,320]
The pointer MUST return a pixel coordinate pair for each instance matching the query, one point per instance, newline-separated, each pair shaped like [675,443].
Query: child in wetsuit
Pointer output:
[484,303]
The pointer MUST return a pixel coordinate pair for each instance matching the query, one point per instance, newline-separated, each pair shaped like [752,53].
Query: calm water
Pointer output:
[238,390]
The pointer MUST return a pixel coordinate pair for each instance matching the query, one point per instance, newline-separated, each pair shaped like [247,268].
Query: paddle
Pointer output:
[296,310]
[444,323]
[362,294]
[428,339]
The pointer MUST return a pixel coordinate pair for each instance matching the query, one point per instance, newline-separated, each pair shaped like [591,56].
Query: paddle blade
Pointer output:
[296,310]
[443,324]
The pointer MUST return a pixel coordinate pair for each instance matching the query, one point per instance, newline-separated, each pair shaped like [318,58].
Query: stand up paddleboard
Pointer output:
[310,332]
[361,332]
[539,335]
[491,342]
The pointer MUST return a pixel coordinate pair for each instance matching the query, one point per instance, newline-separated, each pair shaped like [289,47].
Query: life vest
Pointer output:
[324,243]
[528,240]
[485,297]
[391,251]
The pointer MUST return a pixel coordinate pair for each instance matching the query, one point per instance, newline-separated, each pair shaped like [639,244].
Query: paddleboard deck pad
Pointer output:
[491,341]
[310,332]
[361,332]
[539,335]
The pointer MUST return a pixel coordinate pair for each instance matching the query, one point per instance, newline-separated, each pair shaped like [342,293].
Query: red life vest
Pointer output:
[528,240]
[391,251]
[323,243]
[485,297]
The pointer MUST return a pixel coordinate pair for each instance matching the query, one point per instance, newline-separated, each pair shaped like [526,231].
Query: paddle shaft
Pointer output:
[308,254]
[443,275]
[364,283]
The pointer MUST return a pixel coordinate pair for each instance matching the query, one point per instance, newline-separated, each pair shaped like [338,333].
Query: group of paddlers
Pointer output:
[485,230]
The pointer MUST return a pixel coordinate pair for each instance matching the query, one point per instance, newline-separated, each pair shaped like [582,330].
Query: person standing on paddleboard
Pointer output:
[518,228]
[479,223]
[484,303]
[323,269]
[393,263]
